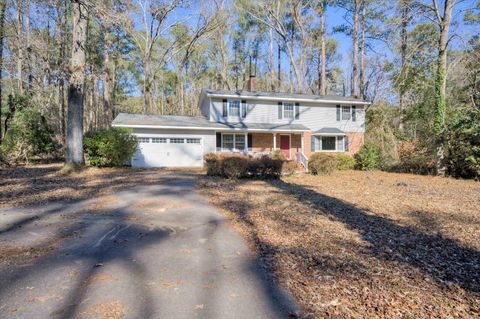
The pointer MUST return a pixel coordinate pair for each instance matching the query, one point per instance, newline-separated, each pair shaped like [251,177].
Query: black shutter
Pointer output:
[297,111]
[312,143]
[345,143]
[249,141]
[280,110]
[219,140]
[244,109]
[225,106]
[354,113]
[338,112]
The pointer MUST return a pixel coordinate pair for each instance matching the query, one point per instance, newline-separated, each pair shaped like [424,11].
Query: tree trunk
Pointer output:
[355,48]
[107,89]
[323,69]
[271,60]
[362,52]
[146,86]
[3,6]
[62,53]
[441,84]
[403,58]
[77,86]
[20,43]
[279,64]
[28,42]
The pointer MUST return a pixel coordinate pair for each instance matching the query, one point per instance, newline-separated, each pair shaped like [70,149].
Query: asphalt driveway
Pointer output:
[152,251]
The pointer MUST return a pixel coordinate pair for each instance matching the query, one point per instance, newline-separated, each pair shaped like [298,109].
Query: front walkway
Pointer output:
[157,251]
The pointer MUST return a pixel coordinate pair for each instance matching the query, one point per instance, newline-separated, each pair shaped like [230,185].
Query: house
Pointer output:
[251,122]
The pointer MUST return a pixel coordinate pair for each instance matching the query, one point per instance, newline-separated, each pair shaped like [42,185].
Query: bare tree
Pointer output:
[74,141]
[3,6]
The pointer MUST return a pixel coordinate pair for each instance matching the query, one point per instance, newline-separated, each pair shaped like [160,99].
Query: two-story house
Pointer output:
[249,122]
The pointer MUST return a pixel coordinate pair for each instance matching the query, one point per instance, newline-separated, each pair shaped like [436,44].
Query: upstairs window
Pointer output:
[346,114]
[234,108]
[288,111]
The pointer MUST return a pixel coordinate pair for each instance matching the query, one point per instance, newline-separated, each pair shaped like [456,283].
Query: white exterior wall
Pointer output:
[313,115]
[205,107]
[173,154]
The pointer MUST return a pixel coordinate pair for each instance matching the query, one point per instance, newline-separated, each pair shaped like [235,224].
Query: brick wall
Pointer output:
[355,141]
[262,142]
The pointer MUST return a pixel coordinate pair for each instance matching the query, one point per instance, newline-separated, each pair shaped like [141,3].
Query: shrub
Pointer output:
[109,147]
[290,167]
[278,155]
[345,162]
[414,158]
[29,134]
[235,167]
[322,163]
[369,157]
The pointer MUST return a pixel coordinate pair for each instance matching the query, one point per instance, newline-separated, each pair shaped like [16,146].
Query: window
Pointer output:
[159,140]
[346,115]
[288,110]
[233,108]
[143,140]
[177,140]
[233,142]
[329,143]
[193,141]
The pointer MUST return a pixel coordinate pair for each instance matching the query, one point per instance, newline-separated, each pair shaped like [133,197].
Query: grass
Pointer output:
[363,244]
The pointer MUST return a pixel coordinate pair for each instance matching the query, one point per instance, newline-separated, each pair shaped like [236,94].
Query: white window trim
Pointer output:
[234,149]
[283,111]
[341,112]
[239,109]
[336,144]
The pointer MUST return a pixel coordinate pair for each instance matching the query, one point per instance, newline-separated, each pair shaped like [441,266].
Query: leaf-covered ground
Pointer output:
[364,245]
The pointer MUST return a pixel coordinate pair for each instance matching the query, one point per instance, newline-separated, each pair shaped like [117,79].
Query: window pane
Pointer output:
[339,143]
[240,142]
[346,113]
[193,141]
[234,108]
[159,140]
[177,140]
[143,140]
[288,110]
[328,143]
[227,141]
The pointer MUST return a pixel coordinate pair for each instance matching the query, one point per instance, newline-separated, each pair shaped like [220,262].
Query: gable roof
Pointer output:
[197,122]
[291,97]
[329,131]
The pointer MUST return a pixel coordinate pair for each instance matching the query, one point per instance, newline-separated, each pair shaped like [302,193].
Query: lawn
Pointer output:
[363,244]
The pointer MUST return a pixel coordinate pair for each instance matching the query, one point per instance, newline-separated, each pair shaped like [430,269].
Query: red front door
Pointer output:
[285,145]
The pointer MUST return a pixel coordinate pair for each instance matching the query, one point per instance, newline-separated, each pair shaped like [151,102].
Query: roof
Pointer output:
[196,122]
[286,96]
[329,131]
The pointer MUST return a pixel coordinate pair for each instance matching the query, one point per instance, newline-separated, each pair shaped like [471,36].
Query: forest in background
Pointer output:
[68,67]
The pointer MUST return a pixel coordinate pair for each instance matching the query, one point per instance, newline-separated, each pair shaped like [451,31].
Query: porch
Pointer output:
[291,144]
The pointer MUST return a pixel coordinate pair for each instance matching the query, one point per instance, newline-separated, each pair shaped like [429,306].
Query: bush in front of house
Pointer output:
[111,147]
[291,167]
[234,166]
[322,163]
[369,157]
[29,134]
[345,162]
[278,155]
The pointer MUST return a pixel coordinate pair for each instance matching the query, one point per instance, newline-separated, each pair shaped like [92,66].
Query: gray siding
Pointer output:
[313,115]
[205,107]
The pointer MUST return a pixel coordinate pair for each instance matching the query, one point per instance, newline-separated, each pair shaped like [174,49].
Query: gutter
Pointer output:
[208,128]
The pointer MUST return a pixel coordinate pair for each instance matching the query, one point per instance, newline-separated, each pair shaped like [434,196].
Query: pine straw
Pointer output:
[43,183]
[356,244]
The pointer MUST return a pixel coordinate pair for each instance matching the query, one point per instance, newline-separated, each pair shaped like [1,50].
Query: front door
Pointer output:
[285,145]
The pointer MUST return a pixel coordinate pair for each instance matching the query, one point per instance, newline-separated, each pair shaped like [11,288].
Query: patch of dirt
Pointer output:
[14,255]
[100,277]
[363,244]
[41,183]
[152,206]
[108,310]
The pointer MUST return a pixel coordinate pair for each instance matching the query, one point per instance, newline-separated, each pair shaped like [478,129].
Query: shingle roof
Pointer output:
[329,130]
[167,121]
[280,95]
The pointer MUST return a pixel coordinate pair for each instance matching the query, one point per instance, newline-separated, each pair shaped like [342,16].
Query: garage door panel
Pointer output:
[168,154]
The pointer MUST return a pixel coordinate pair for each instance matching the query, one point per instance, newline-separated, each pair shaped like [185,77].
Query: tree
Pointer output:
[3,6]
[74,155]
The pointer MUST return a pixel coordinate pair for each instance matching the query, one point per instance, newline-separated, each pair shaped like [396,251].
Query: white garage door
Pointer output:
[168,152]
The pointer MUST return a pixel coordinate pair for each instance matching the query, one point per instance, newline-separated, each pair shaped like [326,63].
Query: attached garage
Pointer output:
[168,151]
